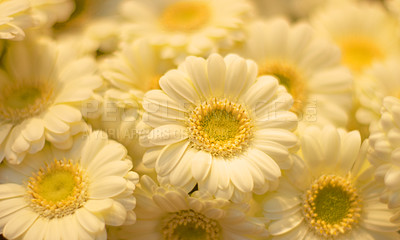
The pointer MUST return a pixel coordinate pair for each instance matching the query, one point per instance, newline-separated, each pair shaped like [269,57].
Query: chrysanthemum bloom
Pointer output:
[216,124]
[365,32]
[308,66]
[42,89]
[384,152]
[15,17]
[137,68]
[71,194]
[332,194]
[377,82]
[166,212]
[186,27]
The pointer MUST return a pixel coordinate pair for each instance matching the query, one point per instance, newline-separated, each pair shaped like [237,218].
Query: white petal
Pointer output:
[113,151]
[170,156]
[265,163]
[107,187]
[168,134]
[235,75]
[240,175]
[285,225]
[33,130]
[11,190]
[196,69]
[98,205]
[216,74]
[94,143]
[66,113]
[19,224]
[116,215]
[89,221]
[181,174]
[261,92]
[201,164]
[37,230]
[54,124]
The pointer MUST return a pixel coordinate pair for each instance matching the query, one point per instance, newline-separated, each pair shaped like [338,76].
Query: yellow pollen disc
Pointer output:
[188,224]
[185,16]
[359,52]
[220,127]
[332,206]
[290,77]
[19,101]
[58,189]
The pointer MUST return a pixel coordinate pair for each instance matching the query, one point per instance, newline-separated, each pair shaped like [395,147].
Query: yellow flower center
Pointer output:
[185,16]
[359,52]
[20,100]
[290,77]
[332,206]
[188,224]
[220,127]
[58,190]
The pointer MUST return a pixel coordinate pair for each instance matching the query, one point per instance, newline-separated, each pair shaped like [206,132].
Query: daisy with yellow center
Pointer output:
[15,16]
[371,36]
[384,152]
[68,194]
[216,124]
[166,212]
[330,193]
[307,66]
[186,27]
[41,98]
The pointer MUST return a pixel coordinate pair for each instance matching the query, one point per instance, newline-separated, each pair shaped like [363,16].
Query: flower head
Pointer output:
[68,194]
[216,124]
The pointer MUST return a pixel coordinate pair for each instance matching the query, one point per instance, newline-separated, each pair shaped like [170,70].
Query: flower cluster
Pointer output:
[199,119]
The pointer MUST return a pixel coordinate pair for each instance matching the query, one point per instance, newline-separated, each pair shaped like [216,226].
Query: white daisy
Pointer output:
[170,213]
[136,68]
[186,27]
[384,152]
[379,81]
[215,123]
[365,32]
[42,89]
[68,194]
[309,67]
[332,194]
[15,16]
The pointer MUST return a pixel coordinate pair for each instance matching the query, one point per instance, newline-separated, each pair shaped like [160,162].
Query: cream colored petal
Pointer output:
[168,134]
[285,225]
[98,205]
[201,165]
[107,187]
[19,224]
[11,190]
[169,157]
[89,221]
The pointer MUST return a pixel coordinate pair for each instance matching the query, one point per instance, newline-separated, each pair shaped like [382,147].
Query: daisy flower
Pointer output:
[216,124]
[15,17]
[306,65]
[186,27]
[379,81]
[136,68]
[332,194]
[384,152]
[43,88]
[166,212]
[68,194]
[365,32]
